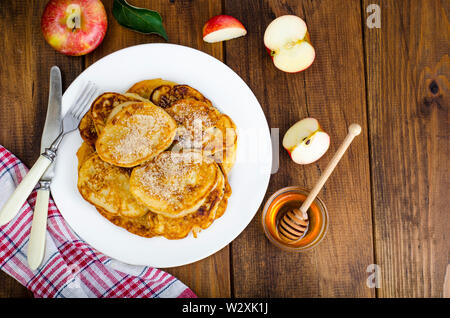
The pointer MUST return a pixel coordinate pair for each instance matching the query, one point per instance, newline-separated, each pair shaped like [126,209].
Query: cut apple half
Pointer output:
[222,28]
[287,41]
[305,141]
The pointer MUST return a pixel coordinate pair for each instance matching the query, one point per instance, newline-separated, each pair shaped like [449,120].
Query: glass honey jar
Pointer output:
[283,201]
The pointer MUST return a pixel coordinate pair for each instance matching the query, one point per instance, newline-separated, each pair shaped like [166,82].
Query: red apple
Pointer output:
[221,28]
[74,27]
[287,40]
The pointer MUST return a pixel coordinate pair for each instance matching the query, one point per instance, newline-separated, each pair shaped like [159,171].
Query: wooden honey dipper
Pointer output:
[294,223]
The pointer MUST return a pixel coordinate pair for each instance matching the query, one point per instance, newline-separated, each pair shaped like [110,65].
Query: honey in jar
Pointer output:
[285,200]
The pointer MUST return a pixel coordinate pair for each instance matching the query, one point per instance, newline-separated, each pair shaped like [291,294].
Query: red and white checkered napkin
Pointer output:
[71,268]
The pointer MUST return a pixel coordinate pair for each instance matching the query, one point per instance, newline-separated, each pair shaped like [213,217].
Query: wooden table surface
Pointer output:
[388,199]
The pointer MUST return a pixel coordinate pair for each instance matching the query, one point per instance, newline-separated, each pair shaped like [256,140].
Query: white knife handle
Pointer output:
[36,244]
[23,190]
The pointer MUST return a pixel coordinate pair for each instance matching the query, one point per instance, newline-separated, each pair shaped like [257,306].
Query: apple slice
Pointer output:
[287,40]
[306,142]
[222,28]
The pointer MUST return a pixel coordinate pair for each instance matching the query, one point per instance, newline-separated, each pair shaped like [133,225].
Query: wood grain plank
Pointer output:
[332,91]
[408,99]
[183,21]
[24,70]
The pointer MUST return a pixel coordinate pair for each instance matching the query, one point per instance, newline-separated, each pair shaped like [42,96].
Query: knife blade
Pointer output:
[52,128]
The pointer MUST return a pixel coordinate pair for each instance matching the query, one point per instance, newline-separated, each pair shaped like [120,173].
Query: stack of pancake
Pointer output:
[156,159]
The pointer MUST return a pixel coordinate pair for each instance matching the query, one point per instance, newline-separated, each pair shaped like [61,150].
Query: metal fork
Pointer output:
[72,118]
[70,122]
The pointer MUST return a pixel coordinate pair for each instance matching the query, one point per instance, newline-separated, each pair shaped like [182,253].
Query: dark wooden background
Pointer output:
[388,198]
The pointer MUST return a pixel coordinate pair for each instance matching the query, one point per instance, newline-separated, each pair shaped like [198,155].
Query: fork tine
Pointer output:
[86,104]
[80,97]
[83,99]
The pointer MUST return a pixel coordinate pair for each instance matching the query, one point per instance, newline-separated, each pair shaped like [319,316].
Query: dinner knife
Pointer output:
[52,128]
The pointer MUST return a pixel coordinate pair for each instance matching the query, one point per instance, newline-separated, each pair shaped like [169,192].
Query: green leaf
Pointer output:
[138,19]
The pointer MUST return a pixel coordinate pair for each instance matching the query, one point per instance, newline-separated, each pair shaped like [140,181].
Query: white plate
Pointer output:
[249,177]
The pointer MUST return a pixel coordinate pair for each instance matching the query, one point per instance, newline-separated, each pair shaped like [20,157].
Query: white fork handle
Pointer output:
[23,190]
[36,244]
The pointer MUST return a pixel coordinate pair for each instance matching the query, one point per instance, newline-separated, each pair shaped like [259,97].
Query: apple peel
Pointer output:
[222,28]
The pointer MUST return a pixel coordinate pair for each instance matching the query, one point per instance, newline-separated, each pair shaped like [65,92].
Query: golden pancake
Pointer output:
[104,104]
[87,129]
[165,95]
[134,96]
[227,193]
[145,88]
[184,91]
[202,218]
[226,157]
[174,184]
[136,134]
[107,186]
[230,158]
[84,152]
[160,96]
[227,124]
[117,109]
[202,126]
[153,224]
